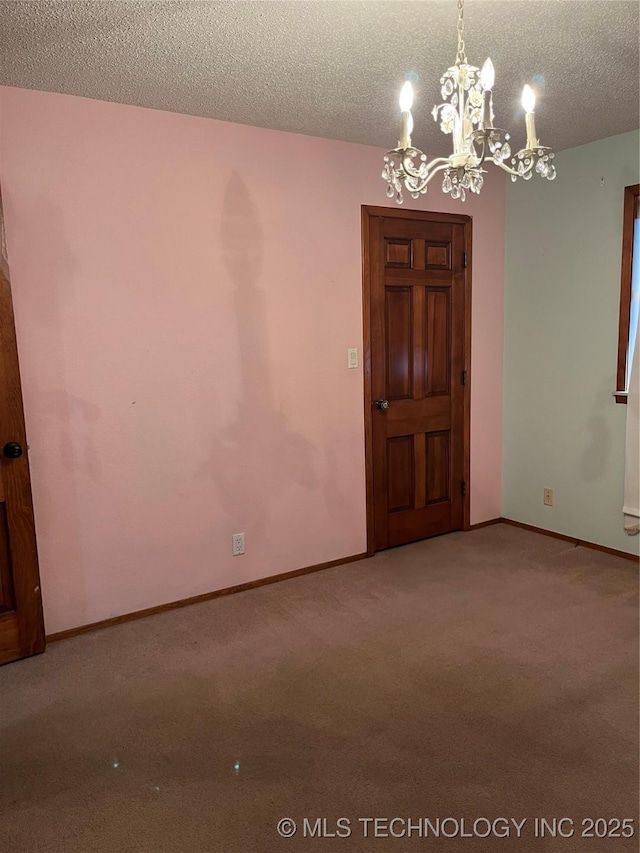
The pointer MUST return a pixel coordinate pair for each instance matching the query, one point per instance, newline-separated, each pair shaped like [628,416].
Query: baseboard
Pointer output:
[489,523]
[198,599]
[218,593]
[583,543]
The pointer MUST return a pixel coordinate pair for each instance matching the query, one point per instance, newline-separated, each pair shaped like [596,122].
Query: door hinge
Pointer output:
[464,260]
[464,377]
[463,488]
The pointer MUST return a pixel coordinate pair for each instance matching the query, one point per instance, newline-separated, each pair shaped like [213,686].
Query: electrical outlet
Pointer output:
[547,497]
[238,544]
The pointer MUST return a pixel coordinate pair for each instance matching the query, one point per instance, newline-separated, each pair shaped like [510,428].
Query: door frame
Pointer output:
[370,212]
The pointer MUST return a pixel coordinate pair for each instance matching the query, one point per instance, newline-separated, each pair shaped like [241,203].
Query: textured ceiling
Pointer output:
[333,69]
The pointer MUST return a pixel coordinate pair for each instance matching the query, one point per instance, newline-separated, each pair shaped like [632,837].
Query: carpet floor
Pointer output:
[451,688]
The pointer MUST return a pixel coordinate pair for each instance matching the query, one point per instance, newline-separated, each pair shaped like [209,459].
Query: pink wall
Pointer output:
[185,294]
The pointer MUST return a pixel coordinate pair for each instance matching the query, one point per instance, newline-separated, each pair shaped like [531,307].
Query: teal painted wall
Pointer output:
[562,427]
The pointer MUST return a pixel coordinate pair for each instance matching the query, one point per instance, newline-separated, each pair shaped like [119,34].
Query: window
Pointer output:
[629,289]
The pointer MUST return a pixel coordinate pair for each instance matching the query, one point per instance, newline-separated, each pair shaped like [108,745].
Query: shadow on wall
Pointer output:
[258,456]
[594,461]
[59,425]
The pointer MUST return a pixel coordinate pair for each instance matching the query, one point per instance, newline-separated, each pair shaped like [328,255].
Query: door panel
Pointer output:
[398,253]
[400,473]
[21,622]
[438,256]
[437,337]
[7,598]
[399,348]
[415,293]
[438,466]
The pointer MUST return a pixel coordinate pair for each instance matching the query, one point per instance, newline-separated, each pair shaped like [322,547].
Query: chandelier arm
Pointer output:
[433,170]
[411,170]
[508,169]
[483,156]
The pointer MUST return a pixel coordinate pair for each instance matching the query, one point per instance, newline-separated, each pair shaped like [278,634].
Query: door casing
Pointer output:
[369,212]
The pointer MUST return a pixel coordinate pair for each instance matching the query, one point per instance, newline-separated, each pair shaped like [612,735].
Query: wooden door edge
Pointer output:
[468,247]
[369,212]
[20,519]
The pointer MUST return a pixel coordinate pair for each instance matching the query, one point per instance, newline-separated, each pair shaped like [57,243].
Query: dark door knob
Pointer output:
[12,450]
[383,405]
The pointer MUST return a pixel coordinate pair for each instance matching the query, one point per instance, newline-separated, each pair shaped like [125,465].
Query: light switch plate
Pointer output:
[352,359]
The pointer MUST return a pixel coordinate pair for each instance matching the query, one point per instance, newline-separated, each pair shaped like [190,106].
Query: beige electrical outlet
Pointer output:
[548,497]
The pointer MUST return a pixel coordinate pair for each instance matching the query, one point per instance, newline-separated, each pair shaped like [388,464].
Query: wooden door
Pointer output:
[21,622]
[417,337]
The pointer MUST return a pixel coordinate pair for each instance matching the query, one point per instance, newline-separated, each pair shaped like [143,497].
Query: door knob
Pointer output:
[383,405]
[12,450]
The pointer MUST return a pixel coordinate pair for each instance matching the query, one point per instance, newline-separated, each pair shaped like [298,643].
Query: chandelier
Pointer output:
[467,114]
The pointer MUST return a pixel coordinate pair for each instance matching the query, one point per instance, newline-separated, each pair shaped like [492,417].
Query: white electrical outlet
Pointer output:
[547,497]
[238,544]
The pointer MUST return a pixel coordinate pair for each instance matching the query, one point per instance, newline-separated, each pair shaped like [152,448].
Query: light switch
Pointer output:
[352,359]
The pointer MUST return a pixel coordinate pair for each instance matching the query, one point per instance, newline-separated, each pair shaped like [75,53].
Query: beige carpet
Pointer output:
[476,676]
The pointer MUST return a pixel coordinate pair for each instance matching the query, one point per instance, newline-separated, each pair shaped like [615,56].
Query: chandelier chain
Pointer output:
[461,56]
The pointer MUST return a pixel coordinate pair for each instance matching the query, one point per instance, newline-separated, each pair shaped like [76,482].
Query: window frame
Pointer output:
[631,201]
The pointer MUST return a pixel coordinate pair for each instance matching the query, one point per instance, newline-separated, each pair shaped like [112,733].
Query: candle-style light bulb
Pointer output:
[529,104]
[487,78]
[528,99]
[487,75]
[406,102]
[406,97]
